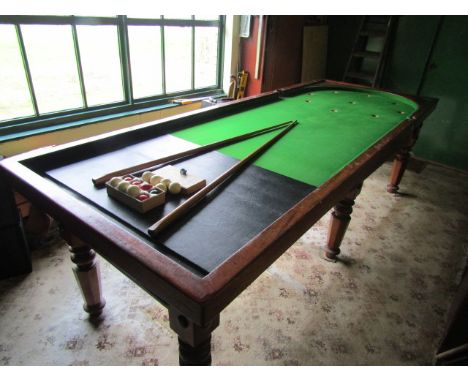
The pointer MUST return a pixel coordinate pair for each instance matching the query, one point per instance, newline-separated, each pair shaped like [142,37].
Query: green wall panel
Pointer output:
[411,47]
[419,43]
[444,137]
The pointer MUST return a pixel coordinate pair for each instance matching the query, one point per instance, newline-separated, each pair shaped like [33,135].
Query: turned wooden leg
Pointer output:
[340,218]
[87,274]
[401,162]
[194,340]
[398,169]
[199,355]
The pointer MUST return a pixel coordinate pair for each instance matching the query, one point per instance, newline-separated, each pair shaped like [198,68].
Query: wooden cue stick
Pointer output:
[197,197]
[100,181]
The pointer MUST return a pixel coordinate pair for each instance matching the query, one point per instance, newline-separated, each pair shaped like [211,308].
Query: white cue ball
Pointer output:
[147,176]
[133,190]
[123,186]
[174,188]
[114,182]
[166,181]
[155,179]
[162,186]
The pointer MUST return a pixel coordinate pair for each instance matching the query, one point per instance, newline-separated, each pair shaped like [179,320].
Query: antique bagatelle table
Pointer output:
[201,262]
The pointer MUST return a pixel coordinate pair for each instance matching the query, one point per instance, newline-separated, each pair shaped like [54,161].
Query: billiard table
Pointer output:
[209,255]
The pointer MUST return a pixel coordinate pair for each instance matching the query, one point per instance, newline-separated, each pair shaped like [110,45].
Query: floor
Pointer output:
[385,303]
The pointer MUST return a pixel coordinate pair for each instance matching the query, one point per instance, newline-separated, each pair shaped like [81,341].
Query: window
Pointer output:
[206,56]
[15,102]
[146,59]
[51,58]
[178,41]
[56,69]
[99,54]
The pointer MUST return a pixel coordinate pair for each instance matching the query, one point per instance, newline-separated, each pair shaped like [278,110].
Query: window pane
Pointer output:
[145,60]
[100,61]
[178,53]
[15,100]
[52,62]
[206,54]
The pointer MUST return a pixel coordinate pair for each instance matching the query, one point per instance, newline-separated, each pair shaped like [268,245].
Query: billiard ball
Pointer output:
[147,176]
[114,182]
[146,186]
[133,190]
[155,191]
[155,179]
[123,186]
[143,197]
[162,186]
[174,188]
[137,182]
[166,181]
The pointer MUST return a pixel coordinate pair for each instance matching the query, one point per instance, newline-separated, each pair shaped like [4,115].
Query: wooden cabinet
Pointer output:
[281,51]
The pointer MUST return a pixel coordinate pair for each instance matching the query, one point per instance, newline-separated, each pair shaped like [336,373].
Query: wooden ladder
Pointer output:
[370,50]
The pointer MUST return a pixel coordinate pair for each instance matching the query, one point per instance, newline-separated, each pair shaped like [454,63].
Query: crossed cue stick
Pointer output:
[179,211]
[197,197]
[101,181]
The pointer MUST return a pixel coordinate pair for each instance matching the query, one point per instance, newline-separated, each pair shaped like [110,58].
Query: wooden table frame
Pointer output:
[194,303]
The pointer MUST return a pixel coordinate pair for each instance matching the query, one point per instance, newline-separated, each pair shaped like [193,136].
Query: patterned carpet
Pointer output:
[384,304]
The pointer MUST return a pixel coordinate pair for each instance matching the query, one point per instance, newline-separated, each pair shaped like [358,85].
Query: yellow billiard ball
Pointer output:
[147,176]
[174,188]
[133,190]
[123,186]
[162,186]
[155,179]
[115,181]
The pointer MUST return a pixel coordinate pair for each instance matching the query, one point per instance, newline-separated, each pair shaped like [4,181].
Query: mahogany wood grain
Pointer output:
[146,264]
[340,218]
[400,162]
[199,355]
[87,274]
[199,300]
[166,280]
[194,340]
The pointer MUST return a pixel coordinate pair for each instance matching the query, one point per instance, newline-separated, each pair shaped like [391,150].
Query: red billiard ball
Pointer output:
[146,186]
[128,178]
[137,182]
[142,197]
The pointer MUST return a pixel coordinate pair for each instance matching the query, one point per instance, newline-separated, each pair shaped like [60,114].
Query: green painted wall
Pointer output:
[444,137]
[429,55]
[411,46]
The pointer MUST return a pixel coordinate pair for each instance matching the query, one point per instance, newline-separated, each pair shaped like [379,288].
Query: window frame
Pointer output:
[129,104]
